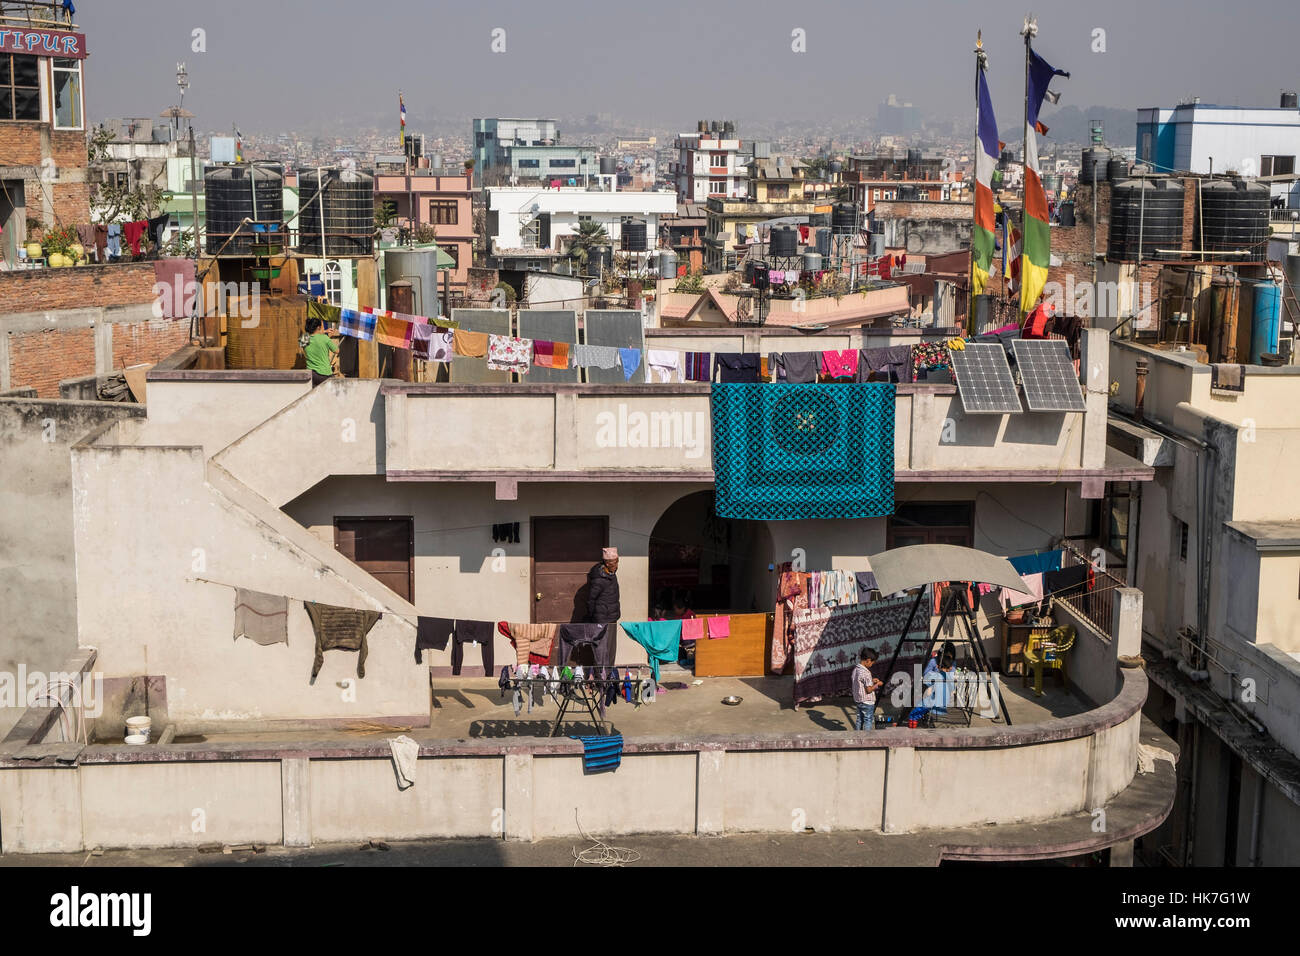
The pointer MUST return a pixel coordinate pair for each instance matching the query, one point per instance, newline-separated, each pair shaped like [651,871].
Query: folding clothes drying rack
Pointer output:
[582,695]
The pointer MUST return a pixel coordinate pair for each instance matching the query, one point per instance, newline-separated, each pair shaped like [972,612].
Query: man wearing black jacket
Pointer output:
[602,589]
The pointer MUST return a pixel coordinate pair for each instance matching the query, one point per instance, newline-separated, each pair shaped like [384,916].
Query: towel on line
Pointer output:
[601,753]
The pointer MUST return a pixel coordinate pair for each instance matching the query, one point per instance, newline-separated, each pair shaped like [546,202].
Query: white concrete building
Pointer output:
[531,218]
[710,164]
[1202,138]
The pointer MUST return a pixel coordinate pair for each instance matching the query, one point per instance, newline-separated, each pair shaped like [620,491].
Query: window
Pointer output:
[333,283]
[20,88]
[529,163]
[1182,540]
[443,212]
[453,251]
[584,218]
[932,523]
[1146,147]
[778,191]
[1276,165]
[563,163]
[67,94]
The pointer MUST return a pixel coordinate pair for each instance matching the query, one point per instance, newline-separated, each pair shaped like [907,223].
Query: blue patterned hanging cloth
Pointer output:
[601,754]
[783,452]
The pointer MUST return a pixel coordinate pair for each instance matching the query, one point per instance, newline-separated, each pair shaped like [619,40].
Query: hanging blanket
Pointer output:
[827,642]
[783,452]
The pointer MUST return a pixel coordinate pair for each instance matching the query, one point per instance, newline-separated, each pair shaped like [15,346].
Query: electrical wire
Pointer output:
[601,853]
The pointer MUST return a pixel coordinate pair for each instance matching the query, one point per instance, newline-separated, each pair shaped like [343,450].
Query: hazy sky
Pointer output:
[307,62]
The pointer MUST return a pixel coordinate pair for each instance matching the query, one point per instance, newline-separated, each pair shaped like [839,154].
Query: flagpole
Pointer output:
[1030,27]
[980,57]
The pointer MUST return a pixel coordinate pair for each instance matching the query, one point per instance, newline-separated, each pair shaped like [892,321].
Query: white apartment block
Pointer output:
[710,163]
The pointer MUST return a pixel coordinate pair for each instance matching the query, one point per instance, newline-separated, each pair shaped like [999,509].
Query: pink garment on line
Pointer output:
[719,627]
[692,629]
[840,364]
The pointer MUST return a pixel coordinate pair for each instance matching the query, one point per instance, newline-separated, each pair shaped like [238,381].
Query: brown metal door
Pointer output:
[385,547]
[564,550]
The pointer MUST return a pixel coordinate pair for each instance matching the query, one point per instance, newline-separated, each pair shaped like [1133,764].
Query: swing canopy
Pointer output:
[920,564]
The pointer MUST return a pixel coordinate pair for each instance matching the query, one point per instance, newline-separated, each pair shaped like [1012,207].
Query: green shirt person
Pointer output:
[318,352]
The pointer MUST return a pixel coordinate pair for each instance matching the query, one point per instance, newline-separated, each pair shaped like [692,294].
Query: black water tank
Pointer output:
[1234,216]
[1117,168]
[1288,100]
[253,191]
[608,165]
[344,212]
[907,192]
[1066,217]
[1093,163]
[600,256]
[634,235]
[844,217]
[913,157]
[784,241]
[816,219]
[1149,209]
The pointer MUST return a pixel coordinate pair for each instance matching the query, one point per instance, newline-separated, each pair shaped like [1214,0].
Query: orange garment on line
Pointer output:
[469,344]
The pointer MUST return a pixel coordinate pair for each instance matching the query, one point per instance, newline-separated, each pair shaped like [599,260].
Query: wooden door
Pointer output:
[564,550]
[384,547]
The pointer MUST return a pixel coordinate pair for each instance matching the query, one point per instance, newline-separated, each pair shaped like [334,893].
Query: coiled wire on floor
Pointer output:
[601,853]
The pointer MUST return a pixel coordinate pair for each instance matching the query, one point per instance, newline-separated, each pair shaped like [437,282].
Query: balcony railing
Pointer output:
[1095,598]
[30,14]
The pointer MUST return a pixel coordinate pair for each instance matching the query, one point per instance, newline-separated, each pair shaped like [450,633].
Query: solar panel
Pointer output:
[984,379]
[1048,376]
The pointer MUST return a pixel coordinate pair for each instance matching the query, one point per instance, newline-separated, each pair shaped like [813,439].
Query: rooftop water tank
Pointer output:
[336,208]
[1117,168]
[252,191]
[784,241]
[1092,164]
[634,235]
[1234,216]
[844,217]
[608,165]
[812,262]
[1148,211]
[667,264]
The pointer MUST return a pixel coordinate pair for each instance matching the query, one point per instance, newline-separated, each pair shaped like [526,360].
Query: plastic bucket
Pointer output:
[138,726]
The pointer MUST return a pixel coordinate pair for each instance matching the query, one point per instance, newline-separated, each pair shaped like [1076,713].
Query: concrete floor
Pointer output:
[471,707]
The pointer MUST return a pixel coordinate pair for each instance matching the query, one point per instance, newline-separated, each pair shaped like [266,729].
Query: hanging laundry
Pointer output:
[661,639]
[699,366]
[693,629]
[719,627]
[1038,562]
[791,596]
[784,452]
[737,367]
[829,641]
[328,314]
[532,641]
[1032,594]
[470,344]
[86,236]
[509,354]
[627,687]
[663,365]
[839,364]
[471,632]
[392,331]
[406,753]
[550,354]
[630,360]
[801,367]
[595,356]
[158,228]
[134,232]
[437,345]
[262,618]
[866,581]
[101,242]
[1071,580]
[113,242]
[601,754]
[929,355]
[432,633]
[173,281]
[894,361]
[359,325]
[600,639]
[803,234]
[340,629]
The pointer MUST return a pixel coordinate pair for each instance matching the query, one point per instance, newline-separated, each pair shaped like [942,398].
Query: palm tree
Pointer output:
[590,235]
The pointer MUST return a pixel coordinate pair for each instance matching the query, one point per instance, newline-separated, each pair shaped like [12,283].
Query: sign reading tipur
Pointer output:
[57,43]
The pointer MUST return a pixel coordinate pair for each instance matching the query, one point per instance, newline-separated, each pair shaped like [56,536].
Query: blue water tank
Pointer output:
[1265,321]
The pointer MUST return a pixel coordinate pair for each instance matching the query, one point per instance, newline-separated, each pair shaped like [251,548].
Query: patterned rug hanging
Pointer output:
[783,452]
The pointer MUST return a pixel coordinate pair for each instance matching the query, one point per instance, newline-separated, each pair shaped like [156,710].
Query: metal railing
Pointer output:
[1094,600]
[40,15]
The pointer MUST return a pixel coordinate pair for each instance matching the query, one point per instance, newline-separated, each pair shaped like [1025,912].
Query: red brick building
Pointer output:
[42,122]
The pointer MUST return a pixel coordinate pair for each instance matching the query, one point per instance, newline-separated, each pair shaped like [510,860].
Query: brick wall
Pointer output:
[29,144]
[89,286]
[142,342]
[20,143]
[43,358]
